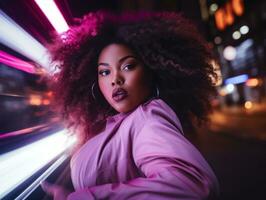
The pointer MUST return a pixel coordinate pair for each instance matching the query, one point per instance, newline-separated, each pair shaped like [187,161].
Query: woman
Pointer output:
[127,83]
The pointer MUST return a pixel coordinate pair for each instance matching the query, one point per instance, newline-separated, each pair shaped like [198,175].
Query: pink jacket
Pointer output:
[142,155]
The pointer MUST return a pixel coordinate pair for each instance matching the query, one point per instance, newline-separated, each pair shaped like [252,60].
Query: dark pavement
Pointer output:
[240,164]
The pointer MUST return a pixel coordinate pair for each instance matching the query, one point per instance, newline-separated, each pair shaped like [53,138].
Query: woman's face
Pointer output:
[122,78]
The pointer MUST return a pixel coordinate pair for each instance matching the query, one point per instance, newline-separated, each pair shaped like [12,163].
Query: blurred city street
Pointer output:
[235,147]
[239,165]
[241,122]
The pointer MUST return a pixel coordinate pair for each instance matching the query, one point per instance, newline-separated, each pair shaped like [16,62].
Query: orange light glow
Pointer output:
[222,92]
[46,102]
[238,7]
[229,17]
[50,93]
[35,100]
[253,82]
[225,16]
[248,104]
[219,19]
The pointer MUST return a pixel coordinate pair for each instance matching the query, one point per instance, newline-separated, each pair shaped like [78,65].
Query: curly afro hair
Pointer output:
[167,44]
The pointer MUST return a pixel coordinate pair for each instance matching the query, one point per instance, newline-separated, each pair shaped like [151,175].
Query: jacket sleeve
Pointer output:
[172,168]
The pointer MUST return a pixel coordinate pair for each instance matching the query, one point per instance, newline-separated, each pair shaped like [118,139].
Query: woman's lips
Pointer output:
[119,97]
[119,94]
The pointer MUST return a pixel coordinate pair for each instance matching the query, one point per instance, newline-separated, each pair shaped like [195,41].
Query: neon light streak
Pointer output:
[237,79]
[13,36]
[12,61]
[53,14]
[18,165]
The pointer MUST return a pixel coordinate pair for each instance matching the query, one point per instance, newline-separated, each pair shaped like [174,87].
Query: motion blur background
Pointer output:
[233,143]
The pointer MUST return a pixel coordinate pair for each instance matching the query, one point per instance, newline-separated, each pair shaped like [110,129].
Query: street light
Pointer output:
[244,29]
[236,35]
[229,53]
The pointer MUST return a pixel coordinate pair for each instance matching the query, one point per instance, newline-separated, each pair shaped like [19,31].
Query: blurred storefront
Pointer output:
[237,32]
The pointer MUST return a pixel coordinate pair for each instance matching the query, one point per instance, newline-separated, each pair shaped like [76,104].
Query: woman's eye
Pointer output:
[104,72]
[128,67]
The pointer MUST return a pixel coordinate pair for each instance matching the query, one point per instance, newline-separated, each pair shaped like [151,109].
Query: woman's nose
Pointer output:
[118,80]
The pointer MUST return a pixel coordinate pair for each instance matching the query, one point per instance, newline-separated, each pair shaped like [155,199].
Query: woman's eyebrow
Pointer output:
[126,57]
[119,61]
[104,64]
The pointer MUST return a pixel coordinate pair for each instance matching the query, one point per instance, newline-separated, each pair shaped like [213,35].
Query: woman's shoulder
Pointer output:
[158,111]
[156,108]
[153,110]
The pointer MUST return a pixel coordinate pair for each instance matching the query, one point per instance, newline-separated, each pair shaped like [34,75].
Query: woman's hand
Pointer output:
[58,192]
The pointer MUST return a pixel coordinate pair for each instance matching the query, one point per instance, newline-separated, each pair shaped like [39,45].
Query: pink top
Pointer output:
[142,155]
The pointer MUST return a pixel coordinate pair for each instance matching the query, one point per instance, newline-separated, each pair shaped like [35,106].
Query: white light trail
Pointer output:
[15,37]
[18,165]
[53,14]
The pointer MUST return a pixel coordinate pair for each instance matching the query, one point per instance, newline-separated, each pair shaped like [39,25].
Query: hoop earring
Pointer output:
[92,91]
[157,92]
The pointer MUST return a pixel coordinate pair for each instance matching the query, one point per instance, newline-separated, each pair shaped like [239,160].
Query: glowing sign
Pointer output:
[237,79]
[225,16]
[238,7]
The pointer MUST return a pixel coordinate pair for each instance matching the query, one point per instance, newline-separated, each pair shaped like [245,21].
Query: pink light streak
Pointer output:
[22,131]
[53,14]
[14,62]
